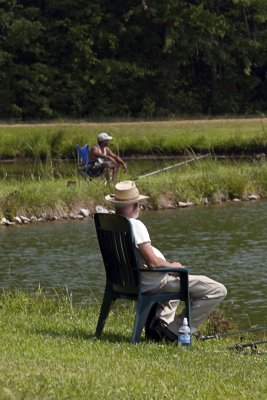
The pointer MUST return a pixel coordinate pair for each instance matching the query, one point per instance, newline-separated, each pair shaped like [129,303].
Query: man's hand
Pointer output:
[176,264]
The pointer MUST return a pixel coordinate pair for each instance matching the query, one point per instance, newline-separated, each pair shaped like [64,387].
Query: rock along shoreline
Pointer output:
[85,213]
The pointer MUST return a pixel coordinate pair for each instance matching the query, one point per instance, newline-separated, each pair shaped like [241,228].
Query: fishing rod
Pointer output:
[220,335]
[242,346]
[171,166]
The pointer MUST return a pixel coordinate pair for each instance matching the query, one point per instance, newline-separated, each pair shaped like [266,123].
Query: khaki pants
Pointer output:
[205,295]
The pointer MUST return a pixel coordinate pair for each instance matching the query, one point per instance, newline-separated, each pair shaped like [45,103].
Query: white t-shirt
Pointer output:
[150,280]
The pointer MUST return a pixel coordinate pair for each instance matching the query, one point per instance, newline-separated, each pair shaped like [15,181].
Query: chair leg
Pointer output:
[188,315]
[188,311]
[150,317]
[105,307]
[142,312]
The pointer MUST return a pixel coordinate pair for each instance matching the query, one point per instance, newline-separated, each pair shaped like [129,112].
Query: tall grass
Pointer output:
[197,182]
[50,197]
[48,351]
[147,138]
[207,179]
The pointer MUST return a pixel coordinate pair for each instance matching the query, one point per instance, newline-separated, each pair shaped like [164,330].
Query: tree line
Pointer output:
[116,59]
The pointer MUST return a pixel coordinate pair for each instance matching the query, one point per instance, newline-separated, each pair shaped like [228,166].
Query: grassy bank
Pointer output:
[147,138]
[48,352]
[199,182]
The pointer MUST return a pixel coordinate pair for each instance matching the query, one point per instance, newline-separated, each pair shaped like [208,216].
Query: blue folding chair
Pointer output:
[82,154]
[84,163]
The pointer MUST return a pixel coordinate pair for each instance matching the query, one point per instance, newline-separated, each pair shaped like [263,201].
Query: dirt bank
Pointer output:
[78,211]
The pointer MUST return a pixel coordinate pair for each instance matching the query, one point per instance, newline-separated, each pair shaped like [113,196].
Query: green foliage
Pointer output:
[113,59]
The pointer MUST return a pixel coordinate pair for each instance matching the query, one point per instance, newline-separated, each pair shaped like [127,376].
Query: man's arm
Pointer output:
[97,153]
[153,261]
[116,158]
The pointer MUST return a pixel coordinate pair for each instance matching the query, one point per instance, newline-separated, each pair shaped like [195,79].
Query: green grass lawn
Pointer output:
[48,351]
[236,136]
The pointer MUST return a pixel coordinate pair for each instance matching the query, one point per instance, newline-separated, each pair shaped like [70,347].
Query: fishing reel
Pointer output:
[253,347]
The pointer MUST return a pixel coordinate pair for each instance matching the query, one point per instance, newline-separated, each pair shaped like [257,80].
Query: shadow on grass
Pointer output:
[83,335]
[73,334]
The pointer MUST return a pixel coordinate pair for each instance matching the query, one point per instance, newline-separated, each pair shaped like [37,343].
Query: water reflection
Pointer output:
[227,243]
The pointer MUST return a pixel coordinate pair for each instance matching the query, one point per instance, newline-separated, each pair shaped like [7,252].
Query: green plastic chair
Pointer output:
[124,272]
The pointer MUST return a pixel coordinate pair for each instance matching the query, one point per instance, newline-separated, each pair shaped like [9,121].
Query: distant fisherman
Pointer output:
[101,158]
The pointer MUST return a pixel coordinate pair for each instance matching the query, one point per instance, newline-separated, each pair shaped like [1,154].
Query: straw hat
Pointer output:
[126,192]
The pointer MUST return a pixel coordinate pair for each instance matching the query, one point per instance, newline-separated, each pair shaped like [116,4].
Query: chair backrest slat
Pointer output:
[118,251]
[83,154]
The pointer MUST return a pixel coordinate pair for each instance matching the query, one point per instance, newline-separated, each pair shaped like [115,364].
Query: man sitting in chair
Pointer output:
[103,160]
[205,293]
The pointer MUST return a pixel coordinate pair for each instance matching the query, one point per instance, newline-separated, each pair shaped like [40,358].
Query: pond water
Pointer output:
[227,243]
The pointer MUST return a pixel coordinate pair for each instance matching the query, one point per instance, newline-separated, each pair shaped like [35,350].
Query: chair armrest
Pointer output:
[182,271]
[165,269]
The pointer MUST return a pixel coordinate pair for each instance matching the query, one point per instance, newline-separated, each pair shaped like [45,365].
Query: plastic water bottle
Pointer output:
[184,335]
